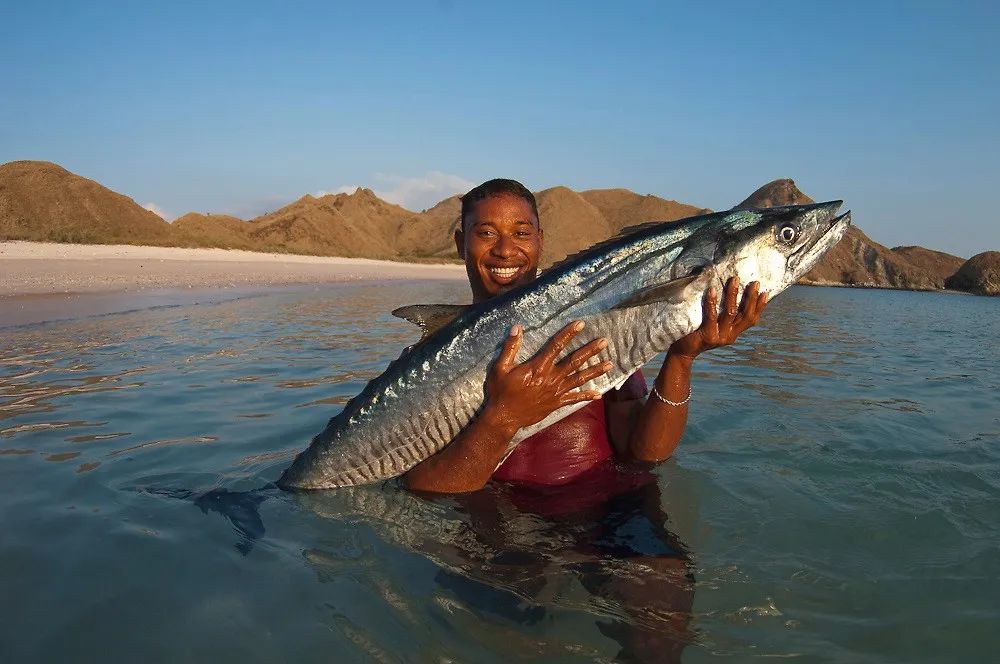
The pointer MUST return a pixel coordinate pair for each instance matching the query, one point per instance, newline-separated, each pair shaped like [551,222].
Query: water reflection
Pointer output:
[515,554]
[504,555]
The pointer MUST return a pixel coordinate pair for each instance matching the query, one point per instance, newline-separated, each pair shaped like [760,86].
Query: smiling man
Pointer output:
[500,239]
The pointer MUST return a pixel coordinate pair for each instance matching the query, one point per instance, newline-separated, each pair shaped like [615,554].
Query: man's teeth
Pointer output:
[504,272]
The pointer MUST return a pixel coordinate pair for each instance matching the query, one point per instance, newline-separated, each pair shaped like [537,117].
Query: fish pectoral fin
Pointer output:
[430,317]
[671,291]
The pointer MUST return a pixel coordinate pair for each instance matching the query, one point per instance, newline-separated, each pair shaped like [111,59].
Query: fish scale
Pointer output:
[642,290]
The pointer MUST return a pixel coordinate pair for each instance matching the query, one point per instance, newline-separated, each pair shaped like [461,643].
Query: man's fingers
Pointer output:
[710,307]
[732,296]
[580,356]
[589,374]
[753,304]
[749,304]
[762,301]
[577,397]
[505,361]
[558,343]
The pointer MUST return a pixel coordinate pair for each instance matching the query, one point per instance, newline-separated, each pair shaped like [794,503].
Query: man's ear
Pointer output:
[460,242]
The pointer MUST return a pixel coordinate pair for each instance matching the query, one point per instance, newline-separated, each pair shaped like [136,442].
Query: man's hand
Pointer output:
[722,328]
[524,394]
[516,396]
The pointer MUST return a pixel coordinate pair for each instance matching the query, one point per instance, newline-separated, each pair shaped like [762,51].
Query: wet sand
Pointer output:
[42,281]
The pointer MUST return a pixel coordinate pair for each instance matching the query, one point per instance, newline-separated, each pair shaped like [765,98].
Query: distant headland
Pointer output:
[43,202]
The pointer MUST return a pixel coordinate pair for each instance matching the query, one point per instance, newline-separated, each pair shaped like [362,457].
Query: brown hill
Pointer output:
[773,194]
[569,222]
[622,207]
[937,263]
[356,225]
[45,202]
[211,230]
[860,261]
[430,234]
[980,274]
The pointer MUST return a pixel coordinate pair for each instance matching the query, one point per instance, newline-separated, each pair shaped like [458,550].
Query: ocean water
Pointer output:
[836,498]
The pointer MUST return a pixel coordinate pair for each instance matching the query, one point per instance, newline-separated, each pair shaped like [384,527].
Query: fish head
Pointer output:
[774,246]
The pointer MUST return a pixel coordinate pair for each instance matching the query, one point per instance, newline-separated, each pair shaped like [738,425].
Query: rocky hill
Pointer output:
[936,263]
[774,194]
[980,275]
[45,202]
[42,201]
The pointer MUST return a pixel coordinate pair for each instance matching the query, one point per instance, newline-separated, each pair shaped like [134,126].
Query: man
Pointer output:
[500,240]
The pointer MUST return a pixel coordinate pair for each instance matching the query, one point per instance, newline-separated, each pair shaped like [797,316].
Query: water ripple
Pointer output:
[837,495]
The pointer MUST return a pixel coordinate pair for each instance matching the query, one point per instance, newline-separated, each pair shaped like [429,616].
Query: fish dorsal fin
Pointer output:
[625,232]
[666,292]
[430,317]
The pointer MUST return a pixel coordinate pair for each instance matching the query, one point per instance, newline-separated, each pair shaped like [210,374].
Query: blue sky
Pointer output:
[241,107]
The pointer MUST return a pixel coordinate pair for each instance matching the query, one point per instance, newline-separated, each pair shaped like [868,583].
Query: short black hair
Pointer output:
[496,187]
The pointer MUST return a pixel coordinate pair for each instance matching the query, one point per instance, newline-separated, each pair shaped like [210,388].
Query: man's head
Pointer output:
[499,237]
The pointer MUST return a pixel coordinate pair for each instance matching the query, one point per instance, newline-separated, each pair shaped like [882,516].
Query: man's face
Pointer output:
[501,244]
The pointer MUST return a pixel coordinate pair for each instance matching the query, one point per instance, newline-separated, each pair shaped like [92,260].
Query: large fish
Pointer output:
[642,290]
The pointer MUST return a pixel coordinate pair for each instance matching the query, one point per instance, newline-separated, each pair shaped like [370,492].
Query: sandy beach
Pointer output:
[43,267]
[42,281]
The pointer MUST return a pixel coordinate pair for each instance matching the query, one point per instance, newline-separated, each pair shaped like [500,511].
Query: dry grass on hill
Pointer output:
[622,207]
[211,230]
[569,222]
[42,201]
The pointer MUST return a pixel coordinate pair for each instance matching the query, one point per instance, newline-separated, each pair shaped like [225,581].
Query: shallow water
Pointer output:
[836,497]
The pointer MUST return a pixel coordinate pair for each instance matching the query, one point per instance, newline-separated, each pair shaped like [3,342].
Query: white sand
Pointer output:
[44,267]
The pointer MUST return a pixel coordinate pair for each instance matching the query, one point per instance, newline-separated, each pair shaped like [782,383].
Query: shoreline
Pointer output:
[43,282]
[36,268]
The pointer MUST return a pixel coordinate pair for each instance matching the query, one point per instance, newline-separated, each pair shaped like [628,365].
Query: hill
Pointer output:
[211,230]
[622,207]
[569,222]
[356,225]
[44,202]
[937,263]
[430,234]
[980,274]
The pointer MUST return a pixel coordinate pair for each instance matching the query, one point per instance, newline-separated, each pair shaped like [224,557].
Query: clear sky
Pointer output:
[243,106]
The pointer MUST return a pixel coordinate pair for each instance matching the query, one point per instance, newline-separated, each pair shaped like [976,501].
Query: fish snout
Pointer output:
[826,211]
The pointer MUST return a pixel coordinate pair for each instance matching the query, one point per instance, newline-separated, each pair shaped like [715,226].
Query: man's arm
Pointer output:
[651,431]
[516,396]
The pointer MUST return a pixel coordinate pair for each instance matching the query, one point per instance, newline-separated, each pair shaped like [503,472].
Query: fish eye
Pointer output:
[787,234]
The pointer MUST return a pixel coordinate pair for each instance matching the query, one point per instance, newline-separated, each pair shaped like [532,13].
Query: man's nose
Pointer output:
[504,247]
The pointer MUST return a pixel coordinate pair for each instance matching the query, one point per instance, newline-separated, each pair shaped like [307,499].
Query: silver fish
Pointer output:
[642,290]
